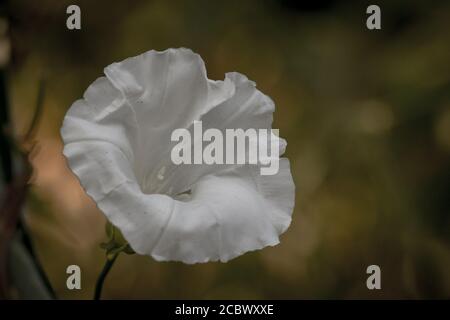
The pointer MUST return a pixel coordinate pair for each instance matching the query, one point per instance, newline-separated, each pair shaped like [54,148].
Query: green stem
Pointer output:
[101,279]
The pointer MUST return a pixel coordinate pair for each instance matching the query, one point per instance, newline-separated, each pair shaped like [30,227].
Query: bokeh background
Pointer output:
[366,115]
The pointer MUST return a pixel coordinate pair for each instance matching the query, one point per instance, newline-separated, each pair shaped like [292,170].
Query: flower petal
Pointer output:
[246,108]
[117,142]
[227,215]
[166,90]
[140,102]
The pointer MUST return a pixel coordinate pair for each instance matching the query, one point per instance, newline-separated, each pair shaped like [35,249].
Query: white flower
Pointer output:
[117,141]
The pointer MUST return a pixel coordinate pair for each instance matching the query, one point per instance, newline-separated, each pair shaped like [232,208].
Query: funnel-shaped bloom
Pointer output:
[118,142]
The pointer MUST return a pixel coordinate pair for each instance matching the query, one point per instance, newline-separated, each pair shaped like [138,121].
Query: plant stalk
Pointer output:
[101,279]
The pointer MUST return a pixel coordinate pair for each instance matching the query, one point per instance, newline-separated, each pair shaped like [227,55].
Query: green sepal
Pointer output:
[116,242]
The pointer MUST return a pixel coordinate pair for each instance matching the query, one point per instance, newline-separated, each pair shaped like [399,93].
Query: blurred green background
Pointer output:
[366,115]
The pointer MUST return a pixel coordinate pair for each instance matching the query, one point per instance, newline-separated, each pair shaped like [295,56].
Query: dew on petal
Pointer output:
[161,173]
